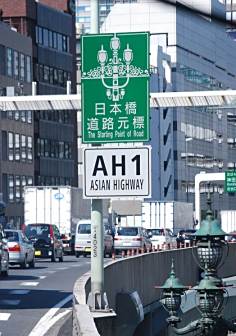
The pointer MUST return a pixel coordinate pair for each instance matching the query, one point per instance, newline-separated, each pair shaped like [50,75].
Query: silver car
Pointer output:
[131,238]
[4,255]
[21,251]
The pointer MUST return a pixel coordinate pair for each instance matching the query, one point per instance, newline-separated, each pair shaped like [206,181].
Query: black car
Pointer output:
[185,237]
[46,239]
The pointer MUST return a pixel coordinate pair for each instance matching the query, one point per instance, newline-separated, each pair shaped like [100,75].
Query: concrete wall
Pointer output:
[142,274]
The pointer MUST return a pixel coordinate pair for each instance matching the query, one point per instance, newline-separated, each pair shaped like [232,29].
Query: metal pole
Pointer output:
[97,298]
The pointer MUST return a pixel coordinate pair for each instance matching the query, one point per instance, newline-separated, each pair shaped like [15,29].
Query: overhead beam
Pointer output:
[224,99]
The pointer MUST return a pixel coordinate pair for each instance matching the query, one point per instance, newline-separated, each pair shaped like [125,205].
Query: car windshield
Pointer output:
[187,232]
[12,236]
[40,230]
[156,232]
[127,231]
[84,228]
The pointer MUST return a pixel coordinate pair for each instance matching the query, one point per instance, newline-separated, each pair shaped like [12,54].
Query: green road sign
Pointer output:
[230,181]
[115,87]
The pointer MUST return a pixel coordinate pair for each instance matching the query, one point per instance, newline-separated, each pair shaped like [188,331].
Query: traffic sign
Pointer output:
[117,172]
[230,181]
[115,87]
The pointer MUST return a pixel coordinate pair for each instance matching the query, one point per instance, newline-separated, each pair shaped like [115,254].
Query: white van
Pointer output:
[83,239]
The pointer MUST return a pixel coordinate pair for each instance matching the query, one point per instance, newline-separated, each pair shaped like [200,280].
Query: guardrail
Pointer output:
[143,272]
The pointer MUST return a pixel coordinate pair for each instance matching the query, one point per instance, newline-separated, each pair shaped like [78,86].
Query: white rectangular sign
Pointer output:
[117,172]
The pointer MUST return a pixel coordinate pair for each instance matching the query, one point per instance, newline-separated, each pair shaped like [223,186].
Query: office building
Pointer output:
[189,52]
[50,25]
[16,128]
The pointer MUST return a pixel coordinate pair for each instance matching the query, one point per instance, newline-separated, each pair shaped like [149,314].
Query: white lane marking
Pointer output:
[19,291]
[51,272]
[10,302]
[4,316]
[45,322]
[61,268]
[30,283]
[42,276]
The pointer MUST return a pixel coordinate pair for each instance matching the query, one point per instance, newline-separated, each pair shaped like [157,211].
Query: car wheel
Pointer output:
[24,263]
[61,257]
[77,254]
[32,263]
[53,256]
[84,255]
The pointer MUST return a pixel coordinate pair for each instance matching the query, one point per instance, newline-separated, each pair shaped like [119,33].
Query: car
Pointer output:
[185,237]
[160,236]
[231,237]
[21,250]
[46,239]
[83,239]
[4,254]
[131,238]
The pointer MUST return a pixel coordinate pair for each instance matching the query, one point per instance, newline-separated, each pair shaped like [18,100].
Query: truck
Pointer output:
[228,220]
[165,215]
[62,206]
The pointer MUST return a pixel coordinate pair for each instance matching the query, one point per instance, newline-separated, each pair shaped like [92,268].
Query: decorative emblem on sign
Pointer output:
[115,87]
[115,72]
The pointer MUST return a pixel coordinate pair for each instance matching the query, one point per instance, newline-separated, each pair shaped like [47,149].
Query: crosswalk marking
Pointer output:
[42,277]
[4,316]
[30,283]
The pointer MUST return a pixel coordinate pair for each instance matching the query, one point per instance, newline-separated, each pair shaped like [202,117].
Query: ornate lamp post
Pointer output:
[210,245]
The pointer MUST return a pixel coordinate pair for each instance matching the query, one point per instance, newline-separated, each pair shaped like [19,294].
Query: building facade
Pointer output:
[16,128]
[51,27]
[188,53]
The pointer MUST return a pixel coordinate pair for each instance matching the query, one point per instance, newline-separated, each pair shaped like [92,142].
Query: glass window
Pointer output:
[10,146]
[54,34]
[29,117]
[9,62]
[64,43]
[29,148]
[50,39]
[16,64]
[59,42]
[55,76]
[40,35]
[45,37]
[60,77]
[23,116]
[23,181]
[61,149]
[29,180]
[28,69]
[22,67]
[51,75]
[37,34]
[17,115]
[10,114]
[17,147]
[46,148]
[23,147]
[46,73]
[10,188]
[17,188]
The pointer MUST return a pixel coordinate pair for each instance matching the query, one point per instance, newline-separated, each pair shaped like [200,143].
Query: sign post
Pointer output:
[115,108]
[115,88]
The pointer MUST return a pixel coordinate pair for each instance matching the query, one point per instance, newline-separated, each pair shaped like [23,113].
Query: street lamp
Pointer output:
[210,245]
[187,139]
